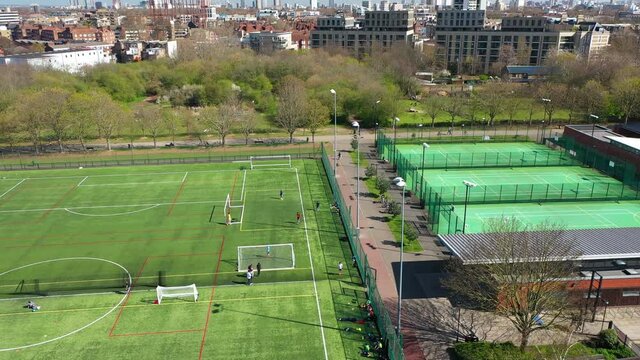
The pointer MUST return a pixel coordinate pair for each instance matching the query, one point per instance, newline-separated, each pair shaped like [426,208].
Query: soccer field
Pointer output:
[72,239]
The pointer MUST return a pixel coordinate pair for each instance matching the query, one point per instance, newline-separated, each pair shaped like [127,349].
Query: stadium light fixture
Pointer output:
[403,185]
[593,125]
[356,125]
[469,185]
[335,132]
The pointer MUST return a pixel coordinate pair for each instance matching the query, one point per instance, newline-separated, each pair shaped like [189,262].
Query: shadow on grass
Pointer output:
[277,318]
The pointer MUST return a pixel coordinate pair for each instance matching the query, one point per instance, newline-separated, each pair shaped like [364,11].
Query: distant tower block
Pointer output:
[179,9]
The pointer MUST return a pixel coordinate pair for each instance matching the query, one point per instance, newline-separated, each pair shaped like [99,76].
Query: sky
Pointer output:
[45,3]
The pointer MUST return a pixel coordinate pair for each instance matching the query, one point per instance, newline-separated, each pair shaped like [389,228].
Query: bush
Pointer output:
[486,351]
[382,185]
[608,339]
[354,143]
[394,208]
[410,232]
[370,171]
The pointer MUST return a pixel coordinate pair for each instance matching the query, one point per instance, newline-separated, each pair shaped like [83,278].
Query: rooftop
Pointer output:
[594,244]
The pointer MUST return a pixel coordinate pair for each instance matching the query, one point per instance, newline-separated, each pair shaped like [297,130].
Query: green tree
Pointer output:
[149,118]
[56,103]
[433,105]
[292,105]
[317,117]
[79,113]
[108,116]
[626,96]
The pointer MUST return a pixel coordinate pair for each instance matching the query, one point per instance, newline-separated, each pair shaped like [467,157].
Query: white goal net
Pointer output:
[270,161]
[270,257]
[232,213]
[187,291]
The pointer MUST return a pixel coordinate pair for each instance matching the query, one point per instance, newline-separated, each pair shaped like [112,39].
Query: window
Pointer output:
[631,293]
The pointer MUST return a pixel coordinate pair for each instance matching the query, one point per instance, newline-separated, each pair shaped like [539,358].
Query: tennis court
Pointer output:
[570,215]
[446,156]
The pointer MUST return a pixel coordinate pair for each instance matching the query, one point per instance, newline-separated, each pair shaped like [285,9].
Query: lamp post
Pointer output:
[542,137]
[335,132]
[375,134]
[356,126]
[395,127]
[546,109]
[403,185]
[469,185]
[420,126]
[425,146]
[604,317]
[593,126]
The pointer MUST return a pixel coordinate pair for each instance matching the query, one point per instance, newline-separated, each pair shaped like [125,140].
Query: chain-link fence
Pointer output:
[383,318]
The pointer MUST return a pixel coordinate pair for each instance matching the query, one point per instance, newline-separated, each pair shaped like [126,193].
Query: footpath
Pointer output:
[383,252]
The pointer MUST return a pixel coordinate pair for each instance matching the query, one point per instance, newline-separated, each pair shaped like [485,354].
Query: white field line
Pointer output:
[134,174]
[111,206]
[13,187]
[313,274]
[116,214]
[185,176]
[244,180]
[83,180]
[136,183]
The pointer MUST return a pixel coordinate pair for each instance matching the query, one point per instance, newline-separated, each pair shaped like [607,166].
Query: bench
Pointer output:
[258,141]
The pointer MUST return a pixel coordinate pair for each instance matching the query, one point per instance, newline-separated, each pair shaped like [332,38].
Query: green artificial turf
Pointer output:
[65,233]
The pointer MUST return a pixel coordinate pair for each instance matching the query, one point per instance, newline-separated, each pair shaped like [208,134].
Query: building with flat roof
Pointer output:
[73,61]
[268,41]
[378,29]
[8,17]
[464,44]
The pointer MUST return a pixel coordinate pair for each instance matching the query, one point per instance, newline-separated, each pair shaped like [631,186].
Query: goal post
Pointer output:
[270,161]
[187,291]
[270,257]
[230,210]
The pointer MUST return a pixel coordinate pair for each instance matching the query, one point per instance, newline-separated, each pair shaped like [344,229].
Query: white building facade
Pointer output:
[73,61]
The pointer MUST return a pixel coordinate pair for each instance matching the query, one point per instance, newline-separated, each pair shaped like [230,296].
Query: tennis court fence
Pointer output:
[124,161]
[383,318]
[433,160]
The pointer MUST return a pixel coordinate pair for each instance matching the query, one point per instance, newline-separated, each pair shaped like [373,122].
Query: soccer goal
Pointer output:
[231,210]
[177,292]
[270,257]
[270,161]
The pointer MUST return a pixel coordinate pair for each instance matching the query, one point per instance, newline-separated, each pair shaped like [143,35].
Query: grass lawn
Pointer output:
[444,119]
[364,162]
[72,238]
[395,225]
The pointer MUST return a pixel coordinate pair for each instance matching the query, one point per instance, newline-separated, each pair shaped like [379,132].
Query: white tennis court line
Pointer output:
[13,187]
[83,180]
[112,206]
[128,174]
[313,274]
[135,183]
[244,180]
[185,176]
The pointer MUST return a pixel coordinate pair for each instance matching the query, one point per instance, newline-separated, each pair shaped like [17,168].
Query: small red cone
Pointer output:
[155,301]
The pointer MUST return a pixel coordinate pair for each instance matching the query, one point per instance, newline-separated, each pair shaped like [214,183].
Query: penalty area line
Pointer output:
[13,187]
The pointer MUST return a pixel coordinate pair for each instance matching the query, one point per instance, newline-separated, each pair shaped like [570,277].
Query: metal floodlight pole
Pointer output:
[395,150]
[593,126]
[420,126]
[335,132]
[469,185]
[424,148]
[356,125]
[403,185]
[546,110]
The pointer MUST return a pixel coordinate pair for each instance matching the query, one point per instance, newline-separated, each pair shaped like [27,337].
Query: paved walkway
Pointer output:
[379,243]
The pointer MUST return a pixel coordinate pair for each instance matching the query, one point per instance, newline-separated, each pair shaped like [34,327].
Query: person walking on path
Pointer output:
[259,268]
[298,216]
[340,266]
[249,278]
[317,205]
[268,250]
[281,195]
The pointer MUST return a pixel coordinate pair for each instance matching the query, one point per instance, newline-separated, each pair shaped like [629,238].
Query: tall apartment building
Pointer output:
[379,28]
[314,4]
[470,5]
[464,45]
[8,17]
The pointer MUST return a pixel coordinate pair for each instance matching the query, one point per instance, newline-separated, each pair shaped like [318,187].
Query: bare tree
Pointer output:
[514,105]
[552,95]
[222,118]
[108,116]
[433,106]
[247,122]
[317,117]
[626,96]
[518,274]
[454,107]
[78,112]
[150,118]
[172,118]
[34,112]
[292,103]
[56,101]
[493,103]
[593,97]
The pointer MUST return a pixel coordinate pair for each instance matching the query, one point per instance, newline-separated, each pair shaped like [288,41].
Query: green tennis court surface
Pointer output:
[70,239]
[488,147]
[571,215]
